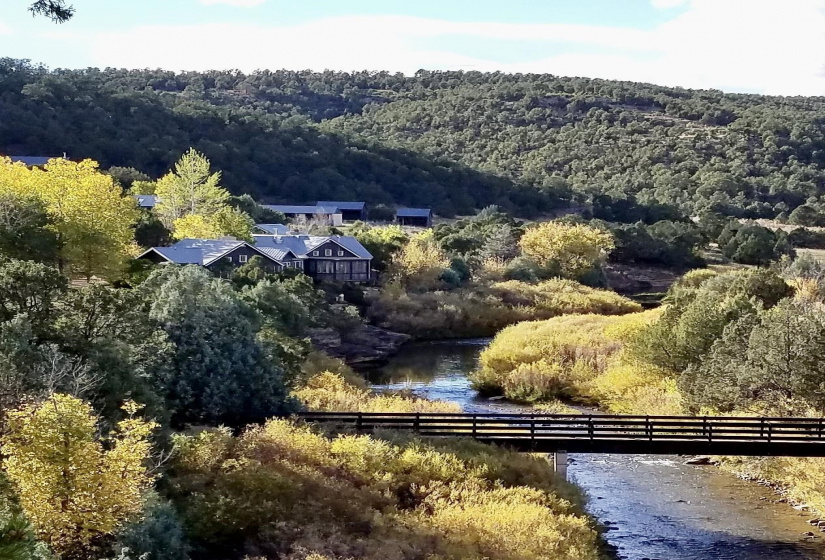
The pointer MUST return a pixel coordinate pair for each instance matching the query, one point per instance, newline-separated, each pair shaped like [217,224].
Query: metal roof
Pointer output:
[198,251]
[273,229]
[33,161]
[146,200]
[343,205]
[290,209]
[414,212]
[302,245]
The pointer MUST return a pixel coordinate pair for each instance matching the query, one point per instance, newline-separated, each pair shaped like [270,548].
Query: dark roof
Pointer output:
[343,205]
[302,245]
[33,161]
[146,200]
[290,209]
[276,247]
[273,229]
[197,251]
[414,212]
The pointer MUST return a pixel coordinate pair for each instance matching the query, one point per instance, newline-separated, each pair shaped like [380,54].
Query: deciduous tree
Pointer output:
[71,487]
[576,248]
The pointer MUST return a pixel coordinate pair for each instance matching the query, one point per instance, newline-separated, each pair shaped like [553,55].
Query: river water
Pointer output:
[655,506]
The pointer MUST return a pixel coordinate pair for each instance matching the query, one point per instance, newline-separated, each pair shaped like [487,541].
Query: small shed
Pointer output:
[350,211]
[420,217]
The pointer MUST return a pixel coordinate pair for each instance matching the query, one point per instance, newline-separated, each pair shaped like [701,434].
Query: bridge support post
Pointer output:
[560,463]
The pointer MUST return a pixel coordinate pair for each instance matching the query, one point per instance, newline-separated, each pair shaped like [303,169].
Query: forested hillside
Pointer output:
[457,141]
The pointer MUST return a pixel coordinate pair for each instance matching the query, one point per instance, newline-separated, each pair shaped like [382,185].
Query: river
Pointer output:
[655,506]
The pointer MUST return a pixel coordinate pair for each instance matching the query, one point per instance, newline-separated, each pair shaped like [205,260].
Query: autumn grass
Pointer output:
[484,309]
[577,358]
[283,490]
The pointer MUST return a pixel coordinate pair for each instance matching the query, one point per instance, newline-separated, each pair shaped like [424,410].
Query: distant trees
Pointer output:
[455,141]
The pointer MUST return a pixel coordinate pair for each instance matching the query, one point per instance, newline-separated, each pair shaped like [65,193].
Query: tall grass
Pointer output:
[578,358]
[484,309]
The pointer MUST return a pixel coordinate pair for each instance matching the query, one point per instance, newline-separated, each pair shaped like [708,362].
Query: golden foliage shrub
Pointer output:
[282,490]
[332,392]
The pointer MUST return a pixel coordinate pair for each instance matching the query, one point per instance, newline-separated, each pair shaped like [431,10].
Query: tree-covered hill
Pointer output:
[455,140]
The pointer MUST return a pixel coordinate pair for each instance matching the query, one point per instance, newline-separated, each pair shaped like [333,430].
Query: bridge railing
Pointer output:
[578,427]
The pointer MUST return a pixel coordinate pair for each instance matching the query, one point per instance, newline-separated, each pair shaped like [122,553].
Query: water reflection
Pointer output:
[655,506]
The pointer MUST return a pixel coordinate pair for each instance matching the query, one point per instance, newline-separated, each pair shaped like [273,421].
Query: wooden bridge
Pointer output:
[548,433]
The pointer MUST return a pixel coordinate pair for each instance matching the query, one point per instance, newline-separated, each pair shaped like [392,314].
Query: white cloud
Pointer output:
[667,4]
[239,3]
[736,45]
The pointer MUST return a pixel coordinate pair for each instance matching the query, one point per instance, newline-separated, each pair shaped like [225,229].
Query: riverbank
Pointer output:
[653,506]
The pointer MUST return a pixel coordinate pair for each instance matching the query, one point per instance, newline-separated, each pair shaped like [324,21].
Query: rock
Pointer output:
[498,398]
[814,521]
[699,460]
[800,507]
[820,524]
[362,345]
[808,534]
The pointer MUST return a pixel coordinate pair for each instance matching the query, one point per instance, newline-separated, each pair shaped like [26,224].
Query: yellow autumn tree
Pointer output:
[92,218]
[575,248]
[71,488]
[420,262]
[190,197]
[195,226]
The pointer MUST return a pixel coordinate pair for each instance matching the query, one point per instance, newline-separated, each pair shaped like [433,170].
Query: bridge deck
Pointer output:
[713,435]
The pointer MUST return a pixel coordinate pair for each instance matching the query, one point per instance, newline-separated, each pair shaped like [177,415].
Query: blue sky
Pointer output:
[770,46]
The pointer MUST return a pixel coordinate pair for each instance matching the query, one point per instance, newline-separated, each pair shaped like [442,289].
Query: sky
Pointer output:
[774,47]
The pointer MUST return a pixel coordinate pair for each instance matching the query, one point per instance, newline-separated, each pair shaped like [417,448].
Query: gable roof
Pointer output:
[201,251]
[414,212]
[343,205]
[273,229]
[293,209]
[197,251]
[146,200]
[33,161]
[302,245]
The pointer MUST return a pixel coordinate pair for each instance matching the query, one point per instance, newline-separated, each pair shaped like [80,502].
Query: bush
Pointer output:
[556,358]
[484,310]
[282,490]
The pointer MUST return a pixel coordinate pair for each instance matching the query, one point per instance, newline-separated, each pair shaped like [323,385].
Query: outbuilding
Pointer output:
[419,217]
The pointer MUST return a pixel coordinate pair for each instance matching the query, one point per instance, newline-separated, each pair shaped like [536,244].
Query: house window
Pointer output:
[299,264]
[288,264]
[327,252]
[326,267]
[243,258]
[340,253]
[359,266]
[315,253]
